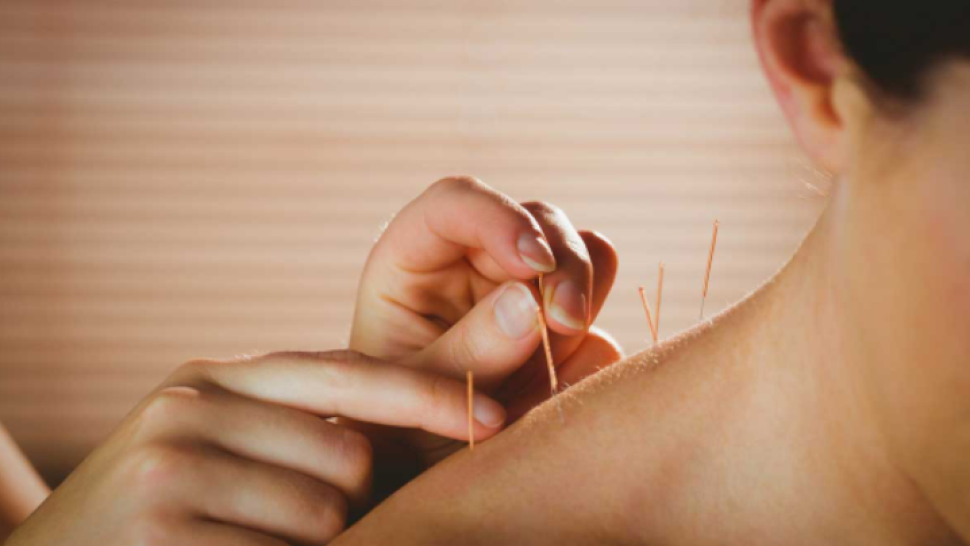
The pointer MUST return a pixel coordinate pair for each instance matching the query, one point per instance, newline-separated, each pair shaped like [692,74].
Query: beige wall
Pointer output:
[184,178]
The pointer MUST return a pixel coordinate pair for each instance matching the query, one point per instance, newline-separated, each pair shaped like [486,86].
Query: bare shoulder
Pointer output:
[543,481]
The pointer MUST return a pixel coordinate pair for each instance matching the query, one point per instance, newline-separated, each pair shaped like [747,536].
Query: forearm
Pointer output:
[21,489]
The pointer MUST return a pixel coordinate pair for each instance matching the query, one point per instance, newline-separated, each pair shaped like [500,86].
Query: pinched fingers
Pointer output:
[502,332]
[493,340]
[566,291]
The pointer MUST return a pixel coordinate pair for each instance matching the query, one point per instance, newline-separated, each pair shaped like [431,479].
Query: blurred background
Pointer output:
[181,178]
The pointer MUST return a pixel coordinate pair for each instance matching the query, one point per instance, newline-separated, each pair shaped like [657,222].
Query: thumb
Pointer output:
[493,340]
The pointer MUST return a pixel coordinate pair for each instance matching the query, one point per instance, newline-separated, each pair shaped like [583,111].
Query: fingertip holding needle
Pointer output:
[710,262]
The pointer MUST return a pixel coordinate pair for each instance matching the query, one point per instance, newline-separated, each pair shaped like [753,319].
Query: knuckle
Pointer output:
[153,466]
[193,370]
[334,517]
[466,347]
[436,389]
[170,403]
[358,453]
[326,512]
[544,208]
[196,364]
[457,183]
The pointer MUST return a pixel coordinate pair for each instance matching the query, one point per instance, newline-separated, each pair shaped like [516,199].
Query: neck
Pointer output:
[791,452]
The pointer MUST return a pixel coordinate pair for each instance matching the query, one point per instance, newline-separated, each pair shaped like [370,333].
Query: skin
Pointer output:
[803,415]
[831,406]
[21,489]
[238,451]
[432,285]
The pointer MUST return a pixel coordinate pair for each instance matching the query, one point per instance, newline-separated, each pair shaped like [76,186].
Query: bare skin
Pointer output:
[747,430]
[444,280]
[832,406]
[21,489]
[236,452]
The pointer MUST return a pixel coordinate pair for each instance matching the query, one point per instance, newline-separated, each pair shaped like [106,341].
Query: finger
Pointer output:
[200,532]
[604,260]
[269,433]
[461,213]
[494,339]
[268,499]
[567,291]
[603,256]
[352,385]
[597,351]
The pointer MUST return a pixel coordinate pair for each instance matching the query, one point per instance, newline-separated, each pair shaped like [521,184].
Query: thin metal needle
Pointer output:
[710,262]
[646,308]
[547,347]
[660,291]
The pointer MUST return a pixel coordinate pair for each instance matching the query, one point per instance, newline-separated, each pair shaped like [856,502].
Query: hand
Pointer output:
[443,291]
[240,453]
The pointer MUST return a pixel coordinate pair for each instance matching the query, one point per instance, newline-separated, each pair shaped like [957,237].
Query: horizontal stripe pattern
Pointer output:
[185,178]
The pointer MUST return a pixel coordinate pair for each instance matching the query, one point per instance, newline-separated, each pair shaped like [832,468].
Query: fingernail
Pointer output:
[488,412]
[535,252]
[567,305]
[516,311]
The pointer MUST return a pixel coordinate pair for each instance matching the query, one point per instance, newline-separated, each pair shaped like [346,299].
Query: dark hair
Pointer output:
[896,43]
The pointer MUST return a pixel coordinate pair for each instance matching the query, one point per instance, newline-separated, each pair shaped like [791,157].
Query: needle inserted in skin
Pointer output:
[646,308]
[710,262]
[471,410]
[547,347]
[660,291]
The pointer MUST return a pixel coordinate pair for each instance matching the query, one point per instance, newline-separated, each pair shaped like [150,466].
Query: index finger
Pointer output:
[347,384]
[461,213]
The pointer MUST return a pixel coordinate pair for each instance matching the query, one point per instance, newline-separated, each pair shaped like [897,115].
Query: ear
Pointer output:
[798,45]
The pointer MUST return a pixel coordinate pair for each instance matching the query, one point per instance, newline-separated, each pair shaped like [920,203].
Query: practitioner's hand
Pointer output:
[240,453]
[453,277]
